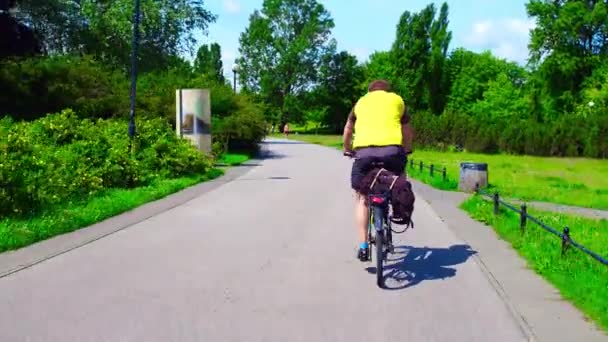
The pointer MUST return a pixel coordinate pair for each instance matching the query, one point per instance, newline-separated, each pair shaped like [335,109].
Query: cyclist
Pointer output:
[381,123]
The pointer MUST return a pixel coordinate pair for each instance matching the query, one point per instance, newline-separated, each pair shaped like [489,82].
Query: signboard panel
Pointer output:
[193,117]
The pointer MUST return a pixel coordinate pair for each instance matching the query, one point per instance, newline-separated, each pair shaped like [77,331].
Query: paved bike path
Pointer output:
[269,256]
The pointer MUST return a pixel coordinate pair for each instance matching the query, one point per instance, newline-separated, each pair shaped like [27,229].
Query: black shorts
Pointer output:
[393,157]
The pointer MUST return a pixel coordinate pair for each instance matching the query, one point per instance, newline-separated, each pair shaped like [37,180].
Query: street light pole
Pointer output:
[134,68]
[235,69]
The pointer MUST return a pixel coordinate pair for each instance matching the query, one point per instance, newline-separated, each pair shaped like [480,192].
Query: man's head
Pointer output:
[379,85]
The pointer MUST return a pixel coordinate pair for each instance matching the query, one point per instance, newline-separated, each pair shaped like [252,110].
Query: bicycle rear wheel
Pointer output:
[380,242]
[379,258]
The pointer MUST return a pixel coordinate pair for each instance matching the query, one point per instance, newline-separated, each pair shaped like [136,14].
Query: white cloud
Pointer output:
[507,37]
[481,28]
[232,6]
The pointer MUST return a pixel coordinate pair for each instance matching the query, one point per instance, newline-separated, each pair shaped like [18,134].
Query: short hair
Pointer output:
[379,85]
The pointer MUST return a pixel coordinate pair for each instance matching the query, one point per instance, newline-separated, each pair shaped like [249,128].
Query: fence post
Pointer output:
[443,174]
[421,166]
[496,203]
[523,218]
[432,168]
[565,240]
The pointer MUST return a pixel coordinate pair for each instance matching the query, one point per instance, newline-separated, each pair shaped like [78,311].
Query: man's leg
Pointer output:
[359,170]
[361,217]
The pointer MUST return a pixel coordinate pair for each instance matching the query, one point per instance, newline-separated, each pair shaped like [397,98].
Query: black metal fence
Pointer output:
[432,168]
[564,235]
[524,217]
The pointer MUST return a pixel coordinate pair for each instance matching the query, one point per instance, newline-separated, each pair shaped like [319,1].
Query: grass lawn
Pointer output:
[572,181]
[233,159]
[579,278]
[20,232]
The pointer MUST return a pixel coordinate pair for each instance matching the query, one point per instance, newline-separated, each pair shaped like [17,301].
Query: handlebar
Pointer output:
[350,154]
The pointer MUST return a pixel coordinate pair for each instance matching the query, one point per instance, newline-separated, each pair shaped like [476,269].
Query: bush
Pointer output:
[242,130]
[37,86]
[62,157]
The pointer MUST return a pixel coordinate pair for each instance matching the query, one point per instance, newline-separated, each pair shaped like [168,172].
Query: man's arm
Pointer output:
[347,136]
[407,131]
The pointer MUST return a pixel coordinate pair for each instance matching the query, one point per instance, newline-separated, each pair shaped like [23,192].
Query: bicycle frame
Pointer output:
[380,235]
[378,205]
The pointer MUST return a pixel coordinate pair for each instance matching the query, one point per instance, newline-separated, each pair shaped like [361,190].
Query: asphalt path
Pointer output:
[269,256]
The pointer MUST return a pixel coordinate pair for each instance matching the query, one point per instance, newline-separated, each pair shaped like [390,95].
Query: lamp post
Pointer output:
[136,16]
[235,69]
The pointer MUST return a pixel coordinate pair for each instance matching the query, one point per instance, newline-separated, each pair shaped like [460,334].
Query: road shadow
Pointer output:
[283,142]
[410,266]
[265,154]
[245,164]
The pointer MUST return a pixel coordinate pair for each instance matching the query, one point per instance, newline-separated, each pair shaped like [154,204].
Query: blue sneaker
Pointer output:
[363,254]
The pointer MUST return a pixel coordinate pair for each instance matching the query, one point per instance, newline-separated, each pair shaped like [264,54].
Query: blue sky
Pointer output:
[501,26]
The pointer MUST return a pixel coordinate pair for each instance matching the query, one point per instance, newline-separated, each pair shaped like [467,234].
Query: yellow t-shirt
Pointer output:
[378,119]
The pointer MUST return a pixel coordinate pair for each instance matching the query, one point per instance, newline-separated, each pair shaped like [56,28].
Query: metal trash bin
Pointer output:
[472,174]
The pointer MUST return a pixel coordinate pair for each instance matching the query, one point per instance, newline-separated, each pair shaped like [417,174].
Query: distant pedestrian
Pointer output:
[286,130]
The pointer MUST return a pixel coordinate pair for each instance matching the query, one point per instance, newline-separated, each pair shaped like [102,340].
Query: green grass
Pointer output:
[579,278]
[233,159]
[572,181]
[20,232]
[436,181]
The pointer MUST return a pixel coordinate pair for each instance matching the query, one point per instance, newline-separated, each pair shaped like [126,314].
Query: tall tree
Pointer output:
[104,28]
[440,38]
[569,41]
[59,23]
[411,52]
[167,29]
[339,87]
[281,50]
[379,66]
[209,62]
[18,38]
[419,54]
[470,74]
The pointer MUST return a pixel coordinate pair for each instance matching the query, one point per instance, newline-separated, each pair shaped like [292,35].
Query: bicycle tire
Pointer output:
[379,259]
[378,227]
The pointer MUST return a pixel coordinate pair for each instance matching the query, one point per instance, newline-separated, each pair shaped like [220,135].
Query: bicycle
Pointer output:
[379,230]
[382,237]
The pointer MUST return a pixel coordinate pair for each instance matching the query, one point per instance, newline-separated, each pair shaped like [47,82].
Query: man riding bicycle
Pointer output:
[383,133]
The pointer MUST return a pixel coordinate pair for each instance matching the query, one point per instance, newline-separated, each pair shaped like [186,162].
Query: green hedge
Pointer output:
[37,86]
[568,135]
[62,157]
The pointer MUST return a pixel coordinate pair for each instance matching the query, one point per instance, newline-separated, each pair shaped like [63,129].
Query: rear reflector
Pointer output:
[377,200]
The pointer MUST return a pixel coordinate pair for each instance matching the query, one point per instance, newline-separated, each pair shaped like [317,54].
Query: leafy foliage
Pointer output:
[554,106]
[281,51]
[63,157]
[208,62]
[338,89]
[571,40]
[104,29]
[37,86]
[418,54]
